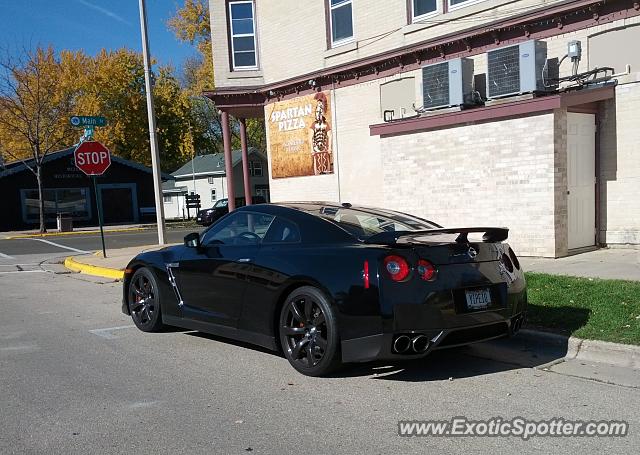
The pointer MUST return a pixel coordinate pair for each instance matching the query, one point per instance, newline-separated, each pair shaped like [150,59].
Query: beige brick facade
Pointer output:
[511,172]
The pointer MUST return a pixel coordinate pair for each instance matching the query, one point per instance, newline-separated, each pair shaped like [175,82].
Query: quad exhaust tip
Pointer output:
[418,344]
[402,344]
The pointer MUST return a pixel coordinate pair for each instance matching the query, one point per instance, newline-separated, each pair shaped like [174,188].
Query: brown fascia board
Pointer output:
[537,14]
[491,113]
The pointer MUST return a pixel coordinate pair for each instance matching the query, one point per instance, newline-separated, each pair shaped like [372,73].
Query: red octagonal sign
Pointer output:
[92,158]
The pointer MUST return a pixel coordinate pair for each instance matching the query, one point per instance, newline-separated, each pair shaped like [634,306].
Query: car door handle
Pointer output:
[244,260]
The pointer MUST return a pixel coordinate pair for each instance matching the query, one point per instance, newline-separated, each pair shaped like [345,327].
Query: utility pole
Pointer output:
[155,156]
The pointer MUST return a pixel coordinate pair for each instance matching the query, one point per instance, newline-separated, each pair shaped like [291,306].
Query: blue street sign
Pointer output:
[86,120]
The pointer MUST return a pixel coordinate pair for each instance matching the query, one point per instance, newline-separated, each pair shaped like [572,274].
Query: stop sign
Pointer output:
[92,158]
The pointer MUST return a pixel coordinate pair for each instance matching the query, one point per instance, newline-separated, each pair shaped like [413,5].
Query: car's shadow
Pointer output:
[446,364]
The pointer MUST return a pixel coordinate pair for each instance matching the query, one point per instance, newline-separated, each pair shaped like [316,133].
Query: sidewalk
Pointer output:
[110,267]
[607,263]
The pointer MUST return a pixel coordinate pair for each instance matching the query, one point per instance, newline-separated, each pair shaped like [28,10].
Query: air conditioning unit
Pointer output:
[447,84]
[514,70]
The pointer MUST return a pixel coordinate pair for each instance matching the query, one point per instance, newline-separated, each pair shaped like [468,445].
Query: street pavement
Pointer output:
[77,377]
[29,252]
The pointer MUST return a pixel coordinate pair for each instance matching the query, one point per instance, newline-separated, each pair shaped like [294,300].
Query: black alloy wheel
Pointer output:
[308,332]
[144,301]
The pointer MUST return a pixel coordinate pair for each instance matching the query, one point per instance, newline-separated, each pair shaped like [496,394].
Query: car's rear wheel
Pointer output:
[144,301]
[309,333]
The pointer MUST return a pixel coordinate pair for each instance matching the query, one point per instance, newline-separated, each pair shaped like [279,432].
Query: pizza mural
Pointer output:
[300,136]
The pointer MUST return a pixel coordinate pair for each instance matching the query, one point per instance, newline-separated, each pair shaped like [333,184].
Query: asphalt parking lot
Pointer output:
[77,377]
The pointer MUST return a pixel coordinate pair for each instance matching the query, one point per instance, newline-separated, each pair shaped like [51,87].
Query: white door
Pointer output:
[581,171]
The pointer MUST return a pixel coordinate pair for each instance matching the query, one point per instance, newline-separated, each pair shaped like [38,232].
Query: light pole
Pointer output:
[155,156]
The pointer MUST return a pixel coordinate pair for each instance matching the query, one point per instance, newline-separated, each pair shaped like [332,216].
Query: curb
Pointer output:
[55,234]
[103,272]
[622,355]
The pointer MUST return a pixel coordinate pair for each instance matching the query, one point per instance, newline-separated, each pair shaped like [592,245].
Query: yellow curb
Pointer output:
[53,234]
[88,269]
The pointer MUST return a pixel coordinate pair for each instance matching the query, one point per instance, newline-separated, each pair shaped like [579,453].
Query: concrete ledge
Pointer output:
[88,269]
[623,355]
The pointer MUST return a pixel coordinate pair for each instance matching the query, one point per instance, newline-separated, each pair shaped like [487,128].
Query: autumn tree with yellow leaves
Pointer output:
[40,90]
[191,24]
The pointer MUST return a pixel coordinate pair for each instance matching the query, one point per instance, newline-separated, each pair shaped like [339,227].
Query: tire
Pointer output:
[143,298]
[309,332]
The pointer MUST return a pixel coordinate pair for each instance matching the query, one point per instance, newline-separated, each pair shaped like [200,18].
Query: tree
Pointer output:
[35,104]
[191,24]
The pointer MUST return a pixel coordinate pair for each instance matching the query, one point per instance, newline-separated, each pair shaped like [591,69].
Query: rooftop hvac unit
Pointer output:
[516,69]
[447,84]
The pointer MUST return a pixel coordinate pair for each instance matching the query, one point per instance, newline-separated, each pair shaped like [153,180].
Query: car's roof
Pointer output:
[319,215]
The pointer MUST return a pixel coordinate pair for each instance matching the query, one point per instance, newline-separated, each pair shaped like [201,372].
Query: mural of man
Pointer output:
[320,138]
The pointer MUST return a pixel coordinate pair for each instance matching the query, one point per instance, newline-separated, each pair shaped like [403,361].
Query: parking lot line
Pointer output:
[60,246]
[106,333]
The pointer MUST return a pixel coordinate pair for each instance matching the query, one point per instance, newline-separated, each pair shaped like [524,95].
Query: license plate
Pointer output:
[478,299]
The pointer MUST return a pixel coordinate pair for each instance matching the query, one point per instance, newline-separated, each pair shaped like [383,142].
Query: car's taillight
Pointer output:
[426,270]
[365,274]
[397,267]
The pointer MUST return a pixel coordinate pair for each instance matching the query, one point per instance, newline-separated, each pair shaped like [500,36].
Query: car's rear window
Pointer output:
[364,223]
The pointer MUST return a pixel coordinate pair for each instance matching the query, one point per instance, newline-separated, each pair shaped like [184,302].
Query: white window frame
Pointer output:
[252,168]
[462,5]
[435,12]
[213,195]
[353,29]
[243,35]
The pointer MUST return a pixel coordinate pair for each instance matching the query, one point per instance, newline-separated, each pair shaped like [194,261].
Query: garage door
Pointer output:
[581,146]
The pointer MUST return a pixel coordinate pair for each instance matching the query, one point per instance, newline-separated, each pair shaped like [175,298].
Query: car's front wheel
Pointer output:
[144,301]
[309,332]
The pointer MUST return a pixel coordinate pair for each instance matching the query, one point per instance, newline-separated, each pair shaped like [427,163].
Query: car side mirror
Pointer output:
[192,240]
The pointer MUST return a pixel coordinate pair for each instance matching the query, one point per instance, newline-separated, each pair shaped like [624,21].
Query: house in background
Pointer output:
[205,175]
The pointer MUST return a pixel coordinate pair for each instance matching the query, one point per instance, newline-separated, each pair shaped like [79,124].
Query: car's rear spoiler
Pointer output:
[489,234]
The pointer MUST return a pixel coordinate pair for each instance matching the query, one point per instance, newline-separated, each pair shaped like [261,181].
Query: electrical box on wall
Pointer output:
[518,69]
[447,84]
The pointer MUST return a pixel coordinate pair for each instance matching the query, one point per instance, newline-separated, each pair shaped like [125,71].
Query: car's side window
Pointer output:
[282,231]
[240,228]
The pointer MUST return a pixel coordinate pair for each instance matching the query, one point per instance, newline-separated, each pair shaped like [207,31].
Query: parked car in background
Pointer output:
[332,283]
[220,209]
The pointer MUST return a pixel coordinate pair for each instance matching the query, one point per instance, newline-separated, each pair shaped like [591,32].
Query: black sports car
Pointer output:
[330,283]
[221,208]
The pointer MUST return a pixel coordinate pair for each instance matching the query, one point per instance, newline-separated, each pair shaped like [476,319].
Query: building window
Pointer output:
[167,198]
[243,35]
[421,9]
[74,201]
[211,180]
[263,190]
[341,21]
[213,195]
[255,168]
[455,4]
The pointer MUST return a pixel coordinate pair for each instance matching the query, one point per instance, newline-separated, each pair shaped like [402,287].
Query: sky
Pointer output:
[91,25]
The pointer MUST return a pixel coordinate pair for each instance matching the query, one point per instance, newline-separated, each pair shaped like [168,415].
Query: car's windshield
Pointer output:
[365,223]
[220,203]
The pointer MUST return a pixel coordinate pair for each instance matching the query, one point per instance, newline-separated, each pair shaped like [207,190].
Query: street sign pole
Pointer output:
[99,208]
[155,156]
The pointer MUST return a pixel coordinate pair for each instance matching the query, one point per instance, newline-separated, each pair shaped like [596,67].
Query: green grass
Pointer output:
[588,308]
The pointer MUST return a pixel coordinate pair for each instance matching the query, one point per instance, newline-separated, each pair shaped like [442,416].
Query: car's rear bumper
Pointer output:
[381,346]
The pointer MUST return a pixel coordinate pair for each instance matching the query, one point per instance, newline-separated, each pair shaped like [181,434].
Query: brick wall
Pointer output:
[478,175]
